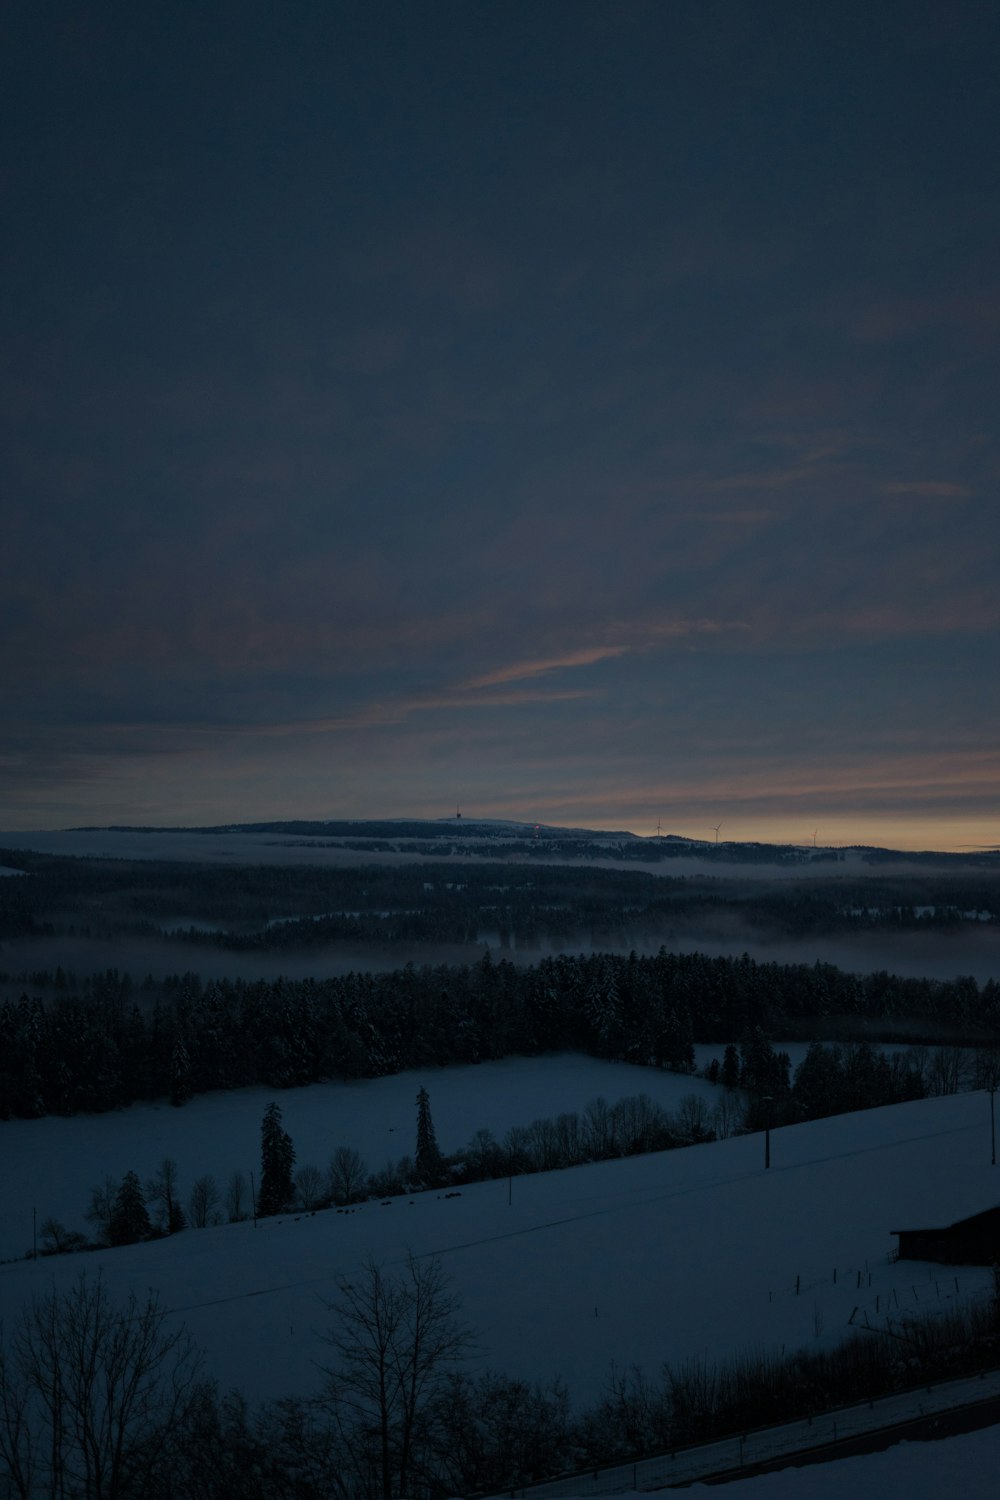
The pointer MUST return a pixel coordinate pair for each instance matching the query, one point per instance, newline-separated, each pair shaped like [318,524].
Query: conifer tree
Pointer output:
[277,1160]
[429,1161]
[180,1073]
[730,1074]
[129,1218]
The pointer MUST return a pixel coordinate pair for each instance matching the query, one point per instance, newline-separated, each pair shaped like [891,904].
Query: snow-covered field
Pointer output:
[50,1165]
[690,1253]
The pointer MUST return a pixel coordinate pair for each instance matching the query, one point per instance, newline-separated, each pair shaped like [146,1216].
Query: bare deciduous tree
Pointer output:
[395,1340]
[237,1198]
[485,1155]
[345,1174]
[945,1074]
[517,1150]
[203,1201]
[597,1130]
[57,1239]
[568,1132]
[693,1120]
[495,1432]
[986,1068]
[101,1208]
[91,1394]
[309,1186]
[727,1116]
[163,1192]
[543,1145]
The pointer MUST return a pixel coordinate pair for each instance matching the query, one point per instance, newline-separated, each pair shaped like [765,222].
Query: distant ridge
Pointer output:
[448,827]
[503,832]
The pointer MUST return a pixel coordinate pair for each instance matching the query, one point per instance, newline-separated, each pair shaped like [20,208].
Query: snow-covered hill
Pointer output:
[50,1165]
[691,1253]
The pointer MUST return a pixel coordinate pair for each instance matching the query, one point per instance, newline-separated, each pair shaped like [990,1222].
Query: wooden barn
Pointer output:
[968,1242]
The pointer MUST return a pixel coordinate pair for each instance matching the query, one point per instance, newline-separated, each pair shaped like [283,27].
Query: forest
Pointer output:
[103,1041]
[457,899]
[100,1039]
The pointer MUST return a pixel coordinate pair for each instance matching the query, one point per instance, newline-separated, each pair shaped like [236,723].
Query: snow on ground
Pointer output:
[965,1466]
[50,1165]
[915,1413]
[673,1256]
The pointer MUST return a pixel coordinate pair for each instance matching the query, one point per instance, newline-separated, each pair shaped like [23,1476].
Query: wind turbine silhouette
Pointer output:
[717,826]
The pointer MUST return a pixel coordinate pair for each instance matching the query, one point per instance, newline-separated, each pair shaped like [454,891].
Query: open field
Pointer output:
[51,1164]
[681,1255]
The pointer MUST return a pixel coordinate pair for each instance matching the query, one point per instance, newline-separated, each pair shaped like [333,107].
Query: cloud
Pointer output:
[586,656]
[890,620]
[728,517]
[379,715]
[928,489]
[974,314]
[637,636]
[772,479]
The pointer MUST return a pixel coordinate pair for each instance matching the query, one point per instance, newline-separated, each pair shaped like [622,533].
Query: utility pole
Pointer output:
[767,1100]
[993,1130]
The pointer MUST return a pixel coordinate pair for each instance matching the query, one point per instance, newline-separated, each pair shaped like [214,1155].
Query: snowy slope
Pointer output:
[50,1165]
[964,1466]
[688,1253]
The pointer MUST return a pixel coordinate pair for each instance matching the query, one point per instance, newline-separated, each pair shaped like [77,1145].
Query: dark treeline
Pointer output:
[89,1045]
[456,901]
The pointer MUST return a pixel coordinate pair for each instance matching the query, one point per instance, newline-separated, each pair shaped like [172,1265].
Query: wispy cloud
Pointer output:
[380,715]
[890,318]
[928,489]
[132,737]
[771,479]
[585,656]
[742,517]
[895,620]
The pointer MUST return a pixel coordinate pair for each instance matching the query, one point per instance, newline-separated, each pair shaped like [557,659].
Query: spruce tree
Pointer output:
[429,1161]
[129,1218]
[277,1160]
[730,1074]
[180,1073]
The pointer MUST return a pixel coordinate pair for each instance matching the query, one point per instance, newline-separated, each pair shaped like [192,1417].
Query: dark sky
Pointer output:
[584,412]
